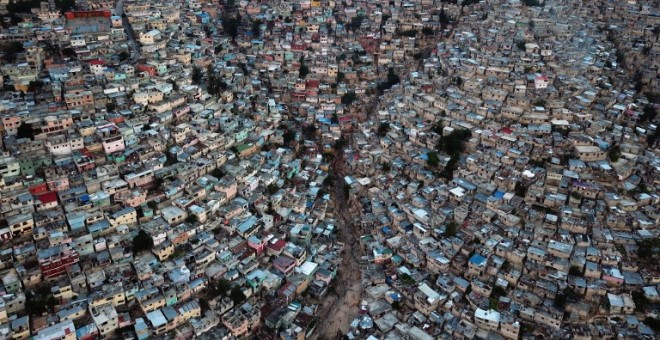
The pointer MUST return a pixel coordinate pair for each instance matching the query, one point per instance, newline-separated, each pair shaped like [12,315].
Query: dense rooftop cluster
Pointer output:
[308,169]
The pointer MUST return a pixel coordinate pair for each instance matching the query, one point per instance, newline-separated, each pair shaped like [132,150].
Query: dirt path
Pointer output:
[340,309]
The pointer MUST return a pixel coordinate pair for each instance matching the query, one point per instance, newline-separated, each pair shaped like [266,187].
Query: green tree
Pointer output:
[438,128]
[328,181]
[432,159]
[348,98]
[310,130]
[218,173]
[35,86]
[448,172]
[237,295]
[288,137]
[648,249]
[540,102]
[648,114]
[223,286]
[575,271]
[383,128]
[451,228]
[408,33]
[533,3]
[614,153]
[256,28]
[444,18]
[356,22]
[560,301]
[65,5]
[340,143]
[407,279]
[641,301]
[25,130]
[197,75]
[192,219]
[427,31]
[498,291]
[175,86]
[493,303]
[454,142]
[272,188]
[142,241]
[652,322]
[392,79]
[303,71]
[110,106]
[230,25]
[39,301]
[521,189]
[123,55]
[340,77]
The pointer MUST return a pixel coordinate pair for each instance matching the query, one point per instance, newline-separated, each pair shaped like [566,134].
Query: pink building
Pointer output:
[113,144]
[58,184]
[46,201]
[11,124]
[257,243]
[284,264]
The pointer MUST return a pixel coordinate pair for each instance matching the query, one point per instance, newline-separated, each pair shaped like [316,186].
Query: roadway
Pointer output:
[134,46]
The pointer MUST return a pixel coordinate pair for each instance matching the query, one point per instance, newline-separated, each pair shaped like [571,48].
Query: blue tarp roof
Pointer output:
[477,259]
